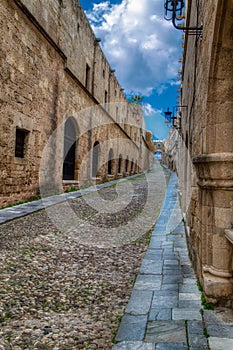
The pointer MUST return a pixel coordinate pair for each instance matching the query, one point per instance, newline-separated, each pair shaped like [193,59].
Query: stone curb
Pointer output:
[17,211]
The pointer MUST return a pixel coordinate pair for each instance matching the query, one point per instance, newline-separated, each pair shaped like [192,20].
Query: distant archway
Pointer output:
[158,155]
[69,150]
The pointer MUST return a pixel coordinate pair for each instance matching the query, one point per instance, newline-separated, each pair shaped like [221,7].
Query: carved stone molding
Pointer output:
[213,157]
[216,184]
[215,170]
[217,272]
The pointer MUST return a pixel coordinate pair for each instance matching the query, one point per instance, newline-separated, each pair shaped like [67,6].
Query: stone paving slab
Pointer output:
[148,282]
[170,346]
[139,303]
[190,304]
[220,343]
[211,318]
[189,296]
[186,314]
[151,267]
[160,314]
[168,299]
[166,331]
[198,341]
[224,331]
[171,279]
[172,287]
[133,345]
[153,254]
[132,328]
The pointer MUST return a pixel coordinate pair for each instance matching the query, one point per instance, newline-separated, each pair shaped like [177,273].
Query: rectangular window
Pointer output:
[88,76]
[20,143]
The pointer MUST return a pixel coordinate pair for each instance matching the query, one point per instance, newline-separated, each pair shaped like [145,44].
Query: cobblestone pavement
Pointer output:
[165,310]
[65,285]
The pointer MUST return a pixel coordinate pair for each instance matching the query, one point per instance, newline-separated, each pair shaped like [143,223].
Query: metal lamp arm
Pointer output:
[183,28]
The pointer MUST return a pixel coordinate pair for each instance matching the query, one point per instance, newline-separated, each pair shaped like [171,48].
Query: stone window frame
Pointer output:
[21,136]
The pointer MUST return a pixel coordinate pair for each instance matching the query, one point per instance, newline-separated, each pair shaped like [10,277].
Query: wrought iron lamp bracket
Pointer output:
[174,12]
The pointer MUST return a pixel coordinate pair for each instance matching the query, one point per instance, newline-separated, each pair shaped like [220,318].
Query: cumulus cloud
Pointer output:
[141,46]
[148,110]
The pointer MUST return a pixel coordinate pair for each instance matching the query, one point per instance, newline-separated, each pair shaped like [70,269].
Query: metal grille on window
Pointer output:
[20,143]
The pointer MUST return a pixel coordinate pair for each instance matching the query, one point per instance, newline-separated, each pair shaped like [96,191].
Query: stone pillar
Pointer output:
[216,186]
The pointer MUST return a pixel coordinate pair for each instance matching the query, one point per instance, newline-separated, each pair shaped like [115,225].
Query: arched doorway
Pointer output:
[132,166]
[126,164]
[110,162]
[69,150]
[119,164]
[95,159]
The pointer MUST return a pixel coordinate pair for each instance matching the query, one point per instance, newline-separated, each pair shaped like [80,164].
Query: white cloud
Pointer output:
[141,46]
[148,110]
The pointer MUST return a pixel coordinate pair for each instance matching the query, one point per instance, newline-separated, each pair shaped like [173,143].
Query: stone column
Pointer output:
[216,185]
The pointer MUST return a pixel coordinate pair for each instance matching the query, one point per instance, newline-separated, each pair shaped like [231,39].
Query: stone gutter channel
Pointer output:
[165,310]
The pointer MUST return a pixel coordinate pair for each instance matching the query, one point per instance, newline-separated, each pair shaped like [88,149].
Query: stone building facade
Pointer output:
[64,118]
[204,152]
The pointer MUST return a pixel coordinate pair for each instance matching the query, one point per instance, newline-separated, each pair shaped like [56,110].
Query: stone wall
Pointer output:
[52,69]
[206,147]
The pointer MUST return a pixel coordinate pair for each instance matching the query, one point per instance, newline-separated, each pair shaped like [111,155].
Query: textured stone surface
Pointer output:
[131,328]
[148,282]
[128,345]
[203,157]
[170,346]
[186,314]
[220,343]
[43,83]
[139,303]
[58,292]
[166,331]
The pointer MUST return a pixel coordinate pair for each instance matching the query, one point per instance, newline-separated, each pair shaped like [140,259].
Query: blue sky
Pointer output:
[144,50]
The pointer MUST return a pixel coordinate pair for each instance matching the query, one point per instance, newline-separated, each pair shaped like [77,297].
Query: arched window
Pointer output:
[119,164]
[110,165]
[69,150]
[95,159]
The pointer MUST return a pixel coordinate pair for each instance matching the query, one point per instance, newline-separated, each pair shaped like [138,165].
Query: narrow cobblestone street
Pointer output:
[58,293]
